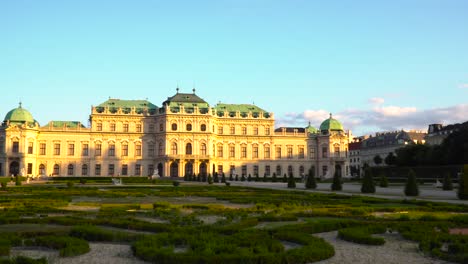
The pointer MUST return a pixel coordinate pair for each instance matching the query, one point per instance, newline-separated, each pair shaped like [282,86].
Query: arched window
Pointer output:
[42,171]
[84,170]
[174,148]
[203,149]
[188,127]
[56,170]
[174,126]
[70,170]
[188,149]
[203,127]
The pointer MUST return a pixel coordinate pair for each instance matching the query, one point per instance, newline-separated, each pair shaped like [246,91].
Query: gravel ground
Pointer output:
[396,250]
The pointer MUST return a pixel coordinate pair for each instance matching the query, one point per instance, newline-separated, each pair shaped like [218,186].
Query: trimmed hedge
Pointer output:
[23,260]
[363,235]
[67,246]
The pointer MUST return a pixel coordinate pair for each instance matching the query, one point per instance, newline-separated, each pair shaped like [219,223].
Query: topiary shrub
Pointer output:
[249,178]
[243,177]
[383,182]
[363,235]
[368,185]
[175,183]
[336,184]
[17,181]
[210,180]
[274,179]
[285,178]
[70,184]
[311,183]
[4,185]
[291,182]
[447,184]
[462,192]
[230,177]
[237,177]
[223,178]
[411,187]
[67,246]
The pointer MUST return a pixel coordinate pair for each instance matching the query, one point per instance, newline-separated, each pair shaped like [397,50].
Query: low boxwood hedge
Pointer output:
[363,234]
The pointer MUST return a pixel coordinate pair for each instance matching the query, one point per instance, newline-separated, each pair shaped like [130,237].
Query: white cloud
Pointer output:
[463,86]
[376,100]
[394,110]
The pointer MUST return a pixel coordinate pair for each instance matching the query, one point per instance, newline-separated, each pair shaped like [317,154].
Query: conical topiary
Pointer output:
[447,185]
[291,182]
[368,185]
[411,187]
[336,184]
[383,182]
[462,192]
[311,183]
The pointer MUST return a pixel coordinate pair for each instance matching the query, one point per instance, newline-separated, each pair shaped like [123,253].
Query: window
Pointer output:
[124,170]
[232,169]
[312,152]
[301,152]
[188,149]
[70,170]
[174,127]
[112,127]
[290,152]
[337,150]
[267,130]
[267,151]
[138,149]
[84,149]
[278,170]
[56,169]
[267,170]
[57,149]
[324,152]
[137,169]
[255,151]
[203,149]
[97,170]
[232,130]
[220,151]
[174,148]
[125,127]
[125,149]
[278,152]
[232,151]
[188,127]
[160,149]
[111,152]
[255,170]
[161,127]
[138,127]
[98,148]
[99,126]
[15,147]
[42,148]
[244,130]
[220,130]
[151,128]
[150,169]
[151,147]
[203,127]
[111,170]
[30,147]
[71,149]
[244,170]
[84,170]
[244,151]
[255,130]
[29,170]
[220,169]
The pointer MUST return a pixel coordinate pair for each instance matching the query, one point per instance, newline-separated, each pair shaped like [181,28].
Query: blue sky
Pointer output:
[377,65]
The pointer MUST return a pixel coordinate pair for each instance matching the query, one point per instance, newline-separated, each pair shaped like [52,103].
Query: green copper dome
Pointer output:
[331,124]
[19,115]
[311,129]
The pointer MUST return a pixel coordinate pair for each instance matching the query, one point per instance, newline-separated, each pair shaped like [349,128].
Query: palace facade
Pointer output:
[185,135]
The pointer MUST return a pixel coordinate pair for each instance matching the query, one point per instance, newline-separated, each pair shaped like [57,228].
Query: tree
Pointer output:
[336,184]
[411,187]
[230,177]
[273,179]
[447,184]
[237,177]
[215,177]
[210,179]
[463,184]
[390,159]
[243,177]
[383,180]
[249,178]
[223,178]
[257,178]
[377,160]
[368,185]
[291,182]
[311,182]
[285,178]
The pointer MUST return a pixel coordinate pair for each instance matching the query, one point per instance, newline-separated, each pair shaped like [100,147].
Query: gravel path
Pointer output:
[396,250]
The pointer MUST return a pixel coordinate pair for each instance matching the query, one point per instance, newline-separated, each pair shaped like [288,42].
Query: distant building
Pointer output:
[355,156]
[382,144]
[184,136]
[436,133]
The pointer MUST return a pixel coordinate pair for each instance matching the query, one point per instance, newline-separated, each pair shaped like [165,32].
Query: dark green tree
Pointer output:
[383,180]
[390,159]
[243,177]
[311,183]
[411,187]
[230,177]
[291,182]
[223,178]
[462,192]
[285,178]
[17,180]
[257,179]
[237,177]
[377,160]
[337,185]
[215,177]
[210,179]
[273,179]
[368,185]
[249,178]
[447,184]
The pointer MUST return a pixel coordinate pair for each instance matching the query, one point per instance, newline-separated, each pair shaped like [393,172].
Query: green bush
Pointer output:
[447,184]
[311,183]
[70,184]
[411,187]
[24,260]
[67,246]
[383,182]
[291,182]
[210,179]
[337,185]
[175,183]
[5,246]
[4,185]
[18,181]
[462,192]
[368,185]
[363,235]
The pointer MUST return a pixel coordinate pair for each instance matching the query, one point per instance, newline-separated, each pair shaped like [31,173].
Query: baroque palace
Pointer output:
[184,136]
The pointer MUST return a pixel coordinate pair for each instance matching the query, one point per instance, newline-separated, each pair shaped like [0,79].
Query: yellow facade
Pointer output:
[185,135]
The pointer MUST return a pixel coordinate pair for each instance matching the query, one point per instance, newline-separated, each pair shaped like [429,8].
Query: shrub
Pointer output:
[17,181]
[411,187]
[227,183]
[215,177]
[362,235]
[223,178]
[175,183]
[383,181]
[285,178]
[249,178]
[83,181]
[463,184]
[243,177]
[5,246]
[274,179]
[291,182]
[70,184]
[311,183]
[447,184]
[257,178]
[67,246]
[336,184]
[237,177]
[210,180]
[368,185]
[230,177]
[4,185]
[24,260]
